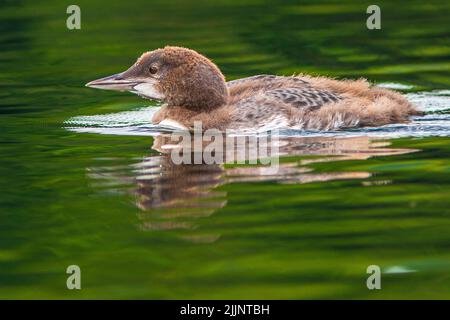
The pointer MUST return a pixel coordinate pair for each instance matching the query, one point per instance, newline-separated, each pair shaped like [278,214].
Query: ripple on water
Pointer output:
[436,122]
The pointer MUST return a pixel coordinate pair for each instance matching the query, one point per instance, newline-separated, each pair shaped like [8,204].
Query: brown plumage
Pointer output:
[194,89]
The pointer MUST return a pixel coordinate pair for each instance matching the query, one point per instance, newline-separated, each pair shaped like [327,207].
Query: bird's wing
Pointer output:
[293,91]
[305,97]
[270,108]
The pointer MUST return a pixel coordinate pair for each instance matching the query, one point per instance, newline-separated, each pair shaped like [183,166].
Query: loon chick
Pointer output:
[194,89]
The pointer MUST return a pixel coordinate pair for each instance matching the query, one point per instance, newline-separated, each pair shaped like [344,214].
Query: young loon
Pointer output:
[194,89]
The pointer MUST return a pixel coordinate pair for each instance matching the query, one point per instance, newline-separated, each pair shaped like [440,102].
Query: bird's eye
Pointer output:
[153,69]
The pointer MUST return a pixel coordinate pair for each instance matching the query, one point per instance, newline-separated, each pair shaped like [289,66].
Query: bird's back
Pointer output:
[315,103]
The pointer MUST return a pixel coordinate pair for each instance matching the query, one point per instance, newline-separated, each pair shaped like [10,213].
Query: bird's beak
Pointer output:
[114,82]
[144,87]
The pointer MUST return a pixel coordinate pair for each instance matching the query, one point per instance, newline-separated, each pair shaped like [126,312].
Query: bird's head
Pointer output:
[174,75]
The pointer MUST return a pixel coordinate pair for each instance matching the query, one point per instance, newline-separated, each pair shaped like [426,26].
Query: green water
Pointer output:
[216,232]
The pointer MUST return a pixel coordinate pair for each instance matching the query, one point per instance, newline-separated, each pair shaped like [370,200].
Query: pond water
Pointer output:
[87,180]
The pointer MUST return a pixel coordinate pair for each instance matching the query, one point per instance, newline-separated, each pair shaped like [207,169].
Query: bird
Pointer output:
[192,89]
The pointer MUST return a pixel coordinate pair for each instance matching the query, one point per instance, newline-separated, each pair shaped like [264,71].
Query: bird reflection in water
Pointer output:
[174,196]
